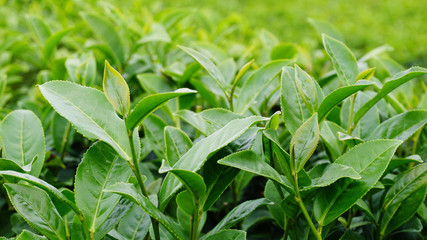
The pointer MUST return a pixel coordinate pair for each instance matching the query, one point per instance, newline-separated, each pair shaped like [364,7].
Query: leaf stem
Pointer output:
[350,117]
[194,228]
[137,172]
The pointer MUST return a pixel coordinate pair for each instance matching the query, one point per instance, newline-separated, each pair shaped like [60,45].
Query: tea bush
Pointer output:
[179,124]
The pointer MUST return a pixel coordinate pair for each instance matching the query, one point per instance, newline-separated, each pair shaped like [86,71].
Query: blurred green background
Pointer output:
[364,24]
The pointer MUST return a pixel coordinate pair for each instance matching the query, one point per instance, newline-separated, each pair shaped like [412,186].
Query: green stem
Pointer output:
[137,172]
[194,228]
[298,198]
[65,141]
[350,117]
[415,143]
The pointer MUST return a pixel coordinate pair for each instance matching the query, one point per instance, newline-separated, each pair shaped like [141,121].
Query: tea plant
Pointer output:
[178,138]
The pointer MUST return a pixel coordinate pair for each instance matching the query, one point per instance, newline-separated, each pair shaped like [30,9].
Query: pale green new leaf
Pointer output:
[396,81]
[401,126]
[22,137]
[40,28]
[307,89]
[35,206]
[149,104]
[90,113]
[100,168]
[372,160]
[194,159]
[342,58]
[116,89]
[52,42]
[256,83]
[129,191]
[197,121]
[304,142]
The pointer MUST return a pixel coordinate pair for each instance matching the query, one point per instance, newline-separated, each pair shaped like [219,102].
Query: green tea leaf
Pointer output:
[197,121]
[329,133]
[128,190]
[249,161]
[27,235]
[22,137]
[209,66]
[307,89]
[343,59]
[325,27]
[177,144]
[373,158]
[43,185]
[194,159]
[391,84]
[75,103]
[192,181]
[185,202]
[135,224]
[256,83]
[304,142]
[107,32]
[62,133]
[238,213]
[401,126]
[338,95]
[37,209]
[331,174]
[227,234]
[366,75]
[293,108]
[52,42]
[40,28]
[116,90]
[149,104]
[100,168]
[403,198]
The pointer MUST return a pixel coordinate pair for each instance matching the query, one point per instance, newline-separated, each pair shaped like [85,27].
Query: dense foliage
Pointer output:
[177,124]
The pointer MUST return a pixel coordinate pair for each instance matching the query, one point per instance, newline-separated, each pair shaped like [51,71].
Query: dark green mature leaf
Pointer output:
[238,213]
[177,144]
[22,137]
[210,67]
[396,81]
[293,109]
[100,168]
[128,190]
[373,158]
[135,224]
[227,234]
[62,133]
[121,209]
[256,83]
[43,185]
[192,181]
[37,209]
[401,126]
[329,134]
[76,104]
[403,199]
[149,104]
[338,95]
[194,159]
[397,162]
[304,142]
[116,89]
[6,164]
[185,202]
[106,31]
[343,59]
[361,204]
[307,89]
[248,160]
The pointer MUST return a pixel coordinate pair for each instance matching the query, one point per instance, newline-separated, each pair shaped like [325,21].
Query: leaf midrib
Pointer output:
[349,182]
[88,117]
[98,203]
